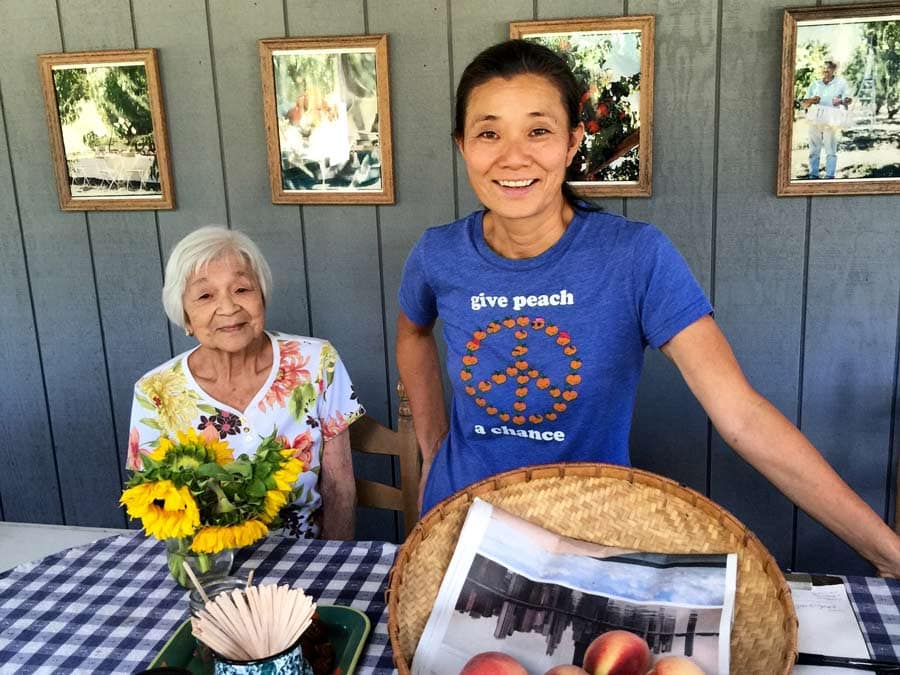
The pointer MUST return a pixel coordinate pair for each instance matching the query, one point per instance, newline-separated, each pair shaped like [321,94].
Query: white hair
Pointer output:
[201,247]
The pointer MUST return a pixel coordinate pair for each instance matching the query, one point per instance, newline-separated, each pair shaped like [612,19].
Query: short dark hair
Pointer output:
[520,57]
[511,58]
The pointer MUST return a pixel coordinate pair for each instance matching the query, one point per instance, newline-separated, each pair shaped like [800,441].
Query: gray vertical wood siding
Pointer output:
[806,289]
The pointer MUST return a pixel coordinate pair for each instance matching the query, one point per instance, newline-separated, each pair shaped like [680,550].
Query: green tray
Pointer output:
[347,631]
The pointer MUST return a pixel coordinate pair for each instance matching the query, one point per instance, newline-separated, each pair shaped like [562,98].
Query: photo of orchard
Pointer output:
[107,129]
[846,100]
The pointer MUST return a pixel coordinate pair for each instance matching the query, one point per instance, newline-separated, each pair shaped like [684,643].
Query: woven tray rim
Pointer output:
[748,540]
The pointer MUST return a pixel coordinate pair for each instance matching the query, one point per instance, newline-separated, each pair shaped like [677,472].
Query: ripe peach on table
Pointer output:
[566,670]
[675,665]
[617,652]
[493,663]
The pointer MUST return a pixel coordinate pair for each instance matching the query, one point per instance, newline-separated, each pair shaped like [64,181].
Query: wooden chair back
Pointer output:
[368,435]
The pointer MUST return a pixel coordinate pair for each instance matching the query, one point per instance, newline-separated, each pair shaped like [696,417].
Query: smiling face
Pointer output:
[224,305]
[517,144]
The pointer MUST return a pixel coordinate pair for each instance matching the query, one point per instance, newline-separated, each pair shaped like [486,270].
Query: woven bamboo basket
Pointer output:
[613,505]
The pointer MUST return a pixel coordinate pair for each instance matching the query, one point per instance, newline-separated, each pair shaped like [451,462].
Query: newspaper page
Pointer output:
[542,598]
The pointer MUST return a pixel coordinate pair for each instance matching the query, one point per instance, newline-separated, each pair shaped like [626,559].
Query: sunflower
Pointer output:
[165,510]
[287,474]
[274,500]
[192,450]
[215,538]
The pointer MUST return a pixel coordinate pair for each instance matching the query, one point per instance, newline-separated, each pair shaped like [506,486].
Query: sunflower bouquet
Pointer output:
[192,491]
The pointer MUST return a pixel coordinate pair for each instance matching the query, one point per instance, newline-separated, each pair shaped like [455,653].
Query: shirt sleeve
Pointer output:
[416,296]
[668,297]
[337,406]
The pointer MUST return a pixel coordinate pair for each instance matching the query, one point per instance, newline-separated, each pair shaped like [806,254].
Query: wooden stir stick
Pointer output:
[253,623]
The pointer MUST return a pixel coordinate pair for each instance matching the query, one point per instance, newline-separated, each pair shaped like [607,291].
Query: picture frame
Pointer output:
[612,59]
[107,127]
[839,131]
[327,113]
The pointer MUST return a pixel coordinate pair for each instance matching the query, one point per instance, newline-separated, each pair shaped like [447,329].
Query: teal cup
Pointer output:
[288,662]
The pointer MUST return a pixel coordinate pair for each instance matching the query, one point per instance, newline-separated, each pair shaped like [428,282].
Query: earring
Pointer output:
[188,332]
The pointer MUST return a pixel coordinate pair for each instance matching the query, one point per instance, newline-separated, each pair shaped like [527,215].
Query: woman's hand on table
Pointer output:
[889,566]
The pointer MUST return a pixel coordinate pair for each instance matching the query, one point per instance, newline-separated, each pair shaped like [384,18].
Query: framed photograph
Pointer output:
[107,130]
[327,110]
[840,98]
[612,59]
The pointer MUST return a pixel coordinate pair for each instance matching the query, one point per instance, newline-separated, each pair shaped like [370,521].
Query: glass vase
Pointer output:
[206,566]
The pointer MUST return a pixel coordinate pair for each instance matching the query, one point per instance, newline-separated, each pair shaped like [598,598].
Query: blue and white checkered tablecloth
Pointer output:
[111,606]
[877,605]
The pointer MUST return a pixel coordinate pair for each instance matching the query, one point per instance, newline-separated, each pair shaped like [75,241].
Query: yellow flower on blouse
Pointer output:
[215,538]
[174,404]
[165,511]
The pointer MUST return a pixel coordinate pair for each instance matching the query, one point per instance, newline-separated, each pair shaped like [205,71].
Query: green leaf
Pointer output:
[212,470]
[301,400]
[152,423]
[256,489]
[208,409]
[144,402]
[240,468]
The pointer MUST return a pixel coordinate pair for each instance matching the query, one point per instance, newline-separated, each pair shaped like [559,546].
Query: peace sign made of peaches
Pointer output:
[521,373]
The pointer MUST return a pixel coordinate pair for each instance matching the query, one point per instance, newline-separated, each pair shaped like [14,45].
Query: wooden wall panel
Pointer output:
[57,247]
[420,83]
[178,29]
[236,28]
[759,265]
[807,290]
[344,275]
[123,245]
[345,293]
[670,428]
[27,448]
[850,351]
[476,26]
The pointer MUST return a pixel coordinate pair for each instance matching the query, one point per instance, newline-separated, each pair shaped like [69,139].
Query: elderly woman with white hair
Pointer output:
[241,381]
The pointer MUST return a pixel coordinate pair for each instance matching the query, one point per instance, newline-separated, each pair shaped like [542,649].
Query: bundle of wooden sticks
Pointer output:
[254,623]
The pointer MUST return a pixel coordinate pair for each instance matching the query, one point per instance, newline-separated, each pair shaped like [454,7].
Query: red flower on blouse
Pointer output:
[292,372]
[333,426]
[302,447]
[135,452]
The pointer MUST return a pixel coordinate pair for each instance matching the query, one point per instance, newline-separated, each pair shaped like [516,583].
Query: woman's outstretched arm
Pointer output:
[776,448]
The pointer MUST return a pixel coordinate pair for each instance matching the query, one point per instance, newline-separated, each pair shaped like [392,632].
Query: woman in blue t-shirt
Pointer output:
[547,306]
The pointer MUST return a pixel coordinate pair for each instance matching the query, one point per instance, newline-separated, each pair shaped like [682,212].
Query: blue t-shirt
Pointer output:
[545,353]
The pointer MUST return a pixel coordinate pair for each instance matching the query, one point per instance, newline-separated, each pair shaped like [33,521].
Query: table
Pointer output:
[877,606]
[111,606]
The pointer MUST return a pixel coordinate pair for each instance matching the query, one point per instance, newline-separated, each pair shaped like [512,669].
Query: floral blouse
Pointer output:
[308,398]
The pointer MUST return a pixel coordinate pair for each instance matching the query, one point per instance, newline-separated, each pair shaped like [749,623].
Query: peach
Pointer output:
[493,663]
[675,665]
[617,652]
[566,670]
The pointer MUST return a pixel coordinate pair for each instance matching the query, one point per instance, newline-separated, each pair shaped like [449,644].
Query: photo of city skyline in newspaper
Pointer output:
[541,598]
